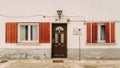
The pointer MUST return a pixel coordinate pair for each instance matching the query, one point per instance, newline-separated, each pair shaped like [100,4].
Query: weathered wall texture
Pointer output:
[25,53]
[84,54]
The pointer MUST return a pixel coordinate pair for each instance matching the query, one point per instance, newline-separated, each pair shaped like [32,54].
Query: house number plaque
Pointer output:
[76,31]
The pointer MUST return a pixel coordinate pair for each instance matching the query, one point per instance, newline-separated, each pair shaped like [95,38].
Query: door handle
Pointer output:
[53,40]
[59,44]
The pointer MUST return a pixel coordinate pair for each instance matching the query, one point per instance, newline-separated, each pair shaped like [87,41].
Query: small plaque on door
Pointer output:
[76,31]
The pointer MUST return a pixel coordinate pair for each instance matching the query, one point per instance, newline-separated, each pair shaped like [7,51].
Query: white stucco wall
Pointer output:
[92,10]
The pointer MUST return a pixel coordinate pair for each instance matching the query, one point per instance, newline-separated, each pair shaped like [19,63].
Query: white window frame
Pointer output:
[99,33]
[19,25]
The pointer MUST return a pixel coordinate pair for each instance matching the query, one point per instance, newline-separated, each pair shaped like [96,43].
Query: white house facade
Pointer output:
[73,29]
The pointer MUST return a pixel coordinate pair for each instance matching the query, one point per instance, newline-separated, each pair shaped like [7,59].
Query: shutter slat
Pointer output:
[94,32]
[112,32]
[14,32]
[88,29]
[47,32]
[107,32]
[8,33]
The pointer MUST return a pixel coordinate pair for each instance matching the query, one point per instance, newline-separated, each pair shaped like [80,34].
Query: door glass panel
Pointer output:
[59,28]
[56,38]
[62,38]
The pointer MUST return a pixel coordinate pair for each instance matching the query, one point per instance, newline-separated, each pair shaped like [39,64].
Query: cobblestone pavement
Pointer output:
[66,64]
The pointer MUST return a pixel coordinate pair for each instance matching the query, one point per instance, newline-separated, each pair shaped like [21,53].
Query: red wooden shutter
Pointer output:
[14,32]
[94,32]
[11,32]
[112,32]
[88,29]
[47,32]
[107,32]
[8,32]
[44,32]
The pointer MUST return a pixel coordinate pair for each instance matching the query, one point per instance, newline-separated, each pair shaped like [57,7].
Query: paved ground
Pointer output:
[66,64]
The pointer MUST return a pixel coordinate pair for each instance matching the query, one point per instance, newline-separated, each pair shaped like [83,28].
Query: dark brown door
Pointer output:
[59,40]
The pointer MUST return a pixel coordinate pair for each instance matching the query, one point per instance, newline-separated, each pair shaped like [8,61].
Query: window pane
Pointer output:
[62,38]
[56,38]
[34,33]
[24,32]
[59,28]
[102,32]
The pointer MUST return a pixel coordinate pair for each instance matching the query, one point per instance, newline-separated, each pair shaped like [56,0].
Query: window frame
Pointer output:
[29,32]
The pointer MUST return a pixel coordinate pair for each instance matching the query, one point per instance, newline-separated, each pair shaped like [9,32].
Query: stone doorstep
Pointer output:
[3,61]
[4,65]
[58,61]
[62,60]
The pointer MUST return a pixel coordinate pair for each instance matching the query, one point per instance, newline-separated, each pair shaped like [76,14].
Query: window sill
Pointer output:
[28,43]
[100,44]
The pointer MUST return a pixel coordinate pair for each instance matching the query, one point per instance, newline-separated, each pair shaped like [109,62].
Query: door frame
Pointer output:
[52,37]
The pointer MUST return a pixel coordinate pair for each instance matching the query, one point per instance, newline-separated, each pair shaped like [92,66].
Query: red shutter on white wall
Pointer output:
[88,31]
[113,32]
[94,32]
[107,32]
[14,32]
[44,32]
[47,32]
[11,32]
[8,33]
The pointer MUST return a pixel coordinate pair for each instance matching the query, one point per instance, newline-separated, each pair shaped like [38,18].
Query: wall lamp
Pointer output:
[59,12]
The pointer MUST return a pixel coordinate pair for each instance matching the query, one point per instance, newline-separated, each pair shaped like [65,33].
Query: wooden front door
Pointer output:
[59,40]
